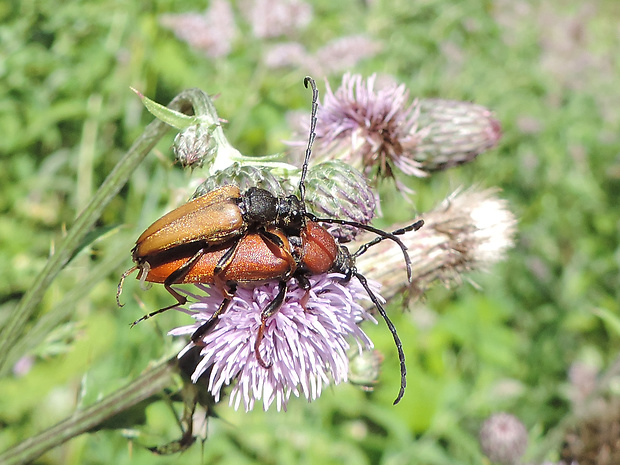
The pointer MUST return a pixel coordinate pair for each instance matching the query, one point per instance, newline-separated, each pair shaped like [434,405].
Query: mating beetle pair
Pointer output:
[226,237]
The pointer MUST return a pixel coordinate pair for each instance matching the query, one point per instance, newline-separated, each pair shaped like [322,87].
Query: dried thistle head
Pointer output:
[471,230]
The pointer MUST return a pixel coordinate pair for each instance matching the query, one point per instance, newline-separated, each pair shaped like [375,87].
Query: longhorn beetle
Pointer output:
[317,252]
[226,237]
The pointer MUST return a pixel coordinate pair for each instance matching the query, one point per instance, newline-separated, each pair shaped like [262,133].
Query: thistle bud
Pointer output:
[453,133]
[195,146]
[337,190]
[243,176]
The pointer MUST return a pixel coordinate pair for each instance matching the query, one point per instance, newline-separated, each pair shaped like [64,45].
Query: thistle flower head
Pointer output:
[305,341]
[371,128]
[503,438]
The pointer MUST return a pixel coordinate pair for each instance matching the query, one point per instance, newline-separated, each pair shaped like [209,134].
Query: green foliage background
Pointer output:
[548,69]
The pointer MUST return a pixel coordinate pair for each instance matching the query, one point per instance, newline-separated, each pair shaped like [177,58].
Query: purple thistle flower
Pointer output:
[306,345]
[371,128]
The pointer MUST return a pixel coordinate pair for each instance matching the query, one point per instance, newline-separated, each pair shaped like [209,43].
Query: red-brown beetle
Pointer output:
[258,257]
[226,237]
[259,260]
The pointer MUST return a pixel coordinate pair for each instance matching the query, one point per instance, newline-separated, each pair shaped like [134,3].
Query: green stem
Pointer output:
[16,324]
[148,384]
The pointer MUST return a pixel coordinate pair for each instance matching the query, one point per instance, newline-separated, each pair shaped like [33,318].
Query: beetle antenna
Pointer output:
[311,137]
[372,229]
[119,288]
[392,328]
[364,247]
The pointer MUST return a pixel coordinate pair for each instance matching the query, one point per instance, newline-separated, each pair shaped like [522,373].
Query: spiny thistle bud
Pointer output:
[243,176]
[454,133]
[503,439]
[336,190]
[364,368]
[195,146]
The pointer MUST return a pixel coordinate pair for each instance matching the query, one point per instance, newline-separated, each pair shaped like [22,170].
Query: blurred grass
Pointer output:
[548,70]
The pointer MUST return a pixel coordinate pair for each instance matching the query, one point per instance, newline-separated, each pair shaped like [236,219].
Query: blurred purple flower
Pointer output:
[274,18]
[306,344]
[503,438]
[23,366]
[285,54]
[212,32]
[342,54]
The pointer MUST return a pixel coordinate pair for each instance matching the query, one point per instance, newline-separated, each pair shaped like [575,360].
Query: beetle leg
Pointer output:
[226,259]
[277,241]
[208,325]
[304,283]
[272,308]
[176,276]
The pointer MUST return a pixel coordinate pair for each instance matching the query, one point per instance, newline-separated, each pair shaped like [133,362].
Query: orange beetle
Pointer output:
[226,237]
[259,260]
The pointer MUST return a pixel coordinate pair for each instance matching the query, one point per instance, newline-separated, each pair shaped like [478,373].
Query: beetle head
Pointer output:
[344,263]
[290,213]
